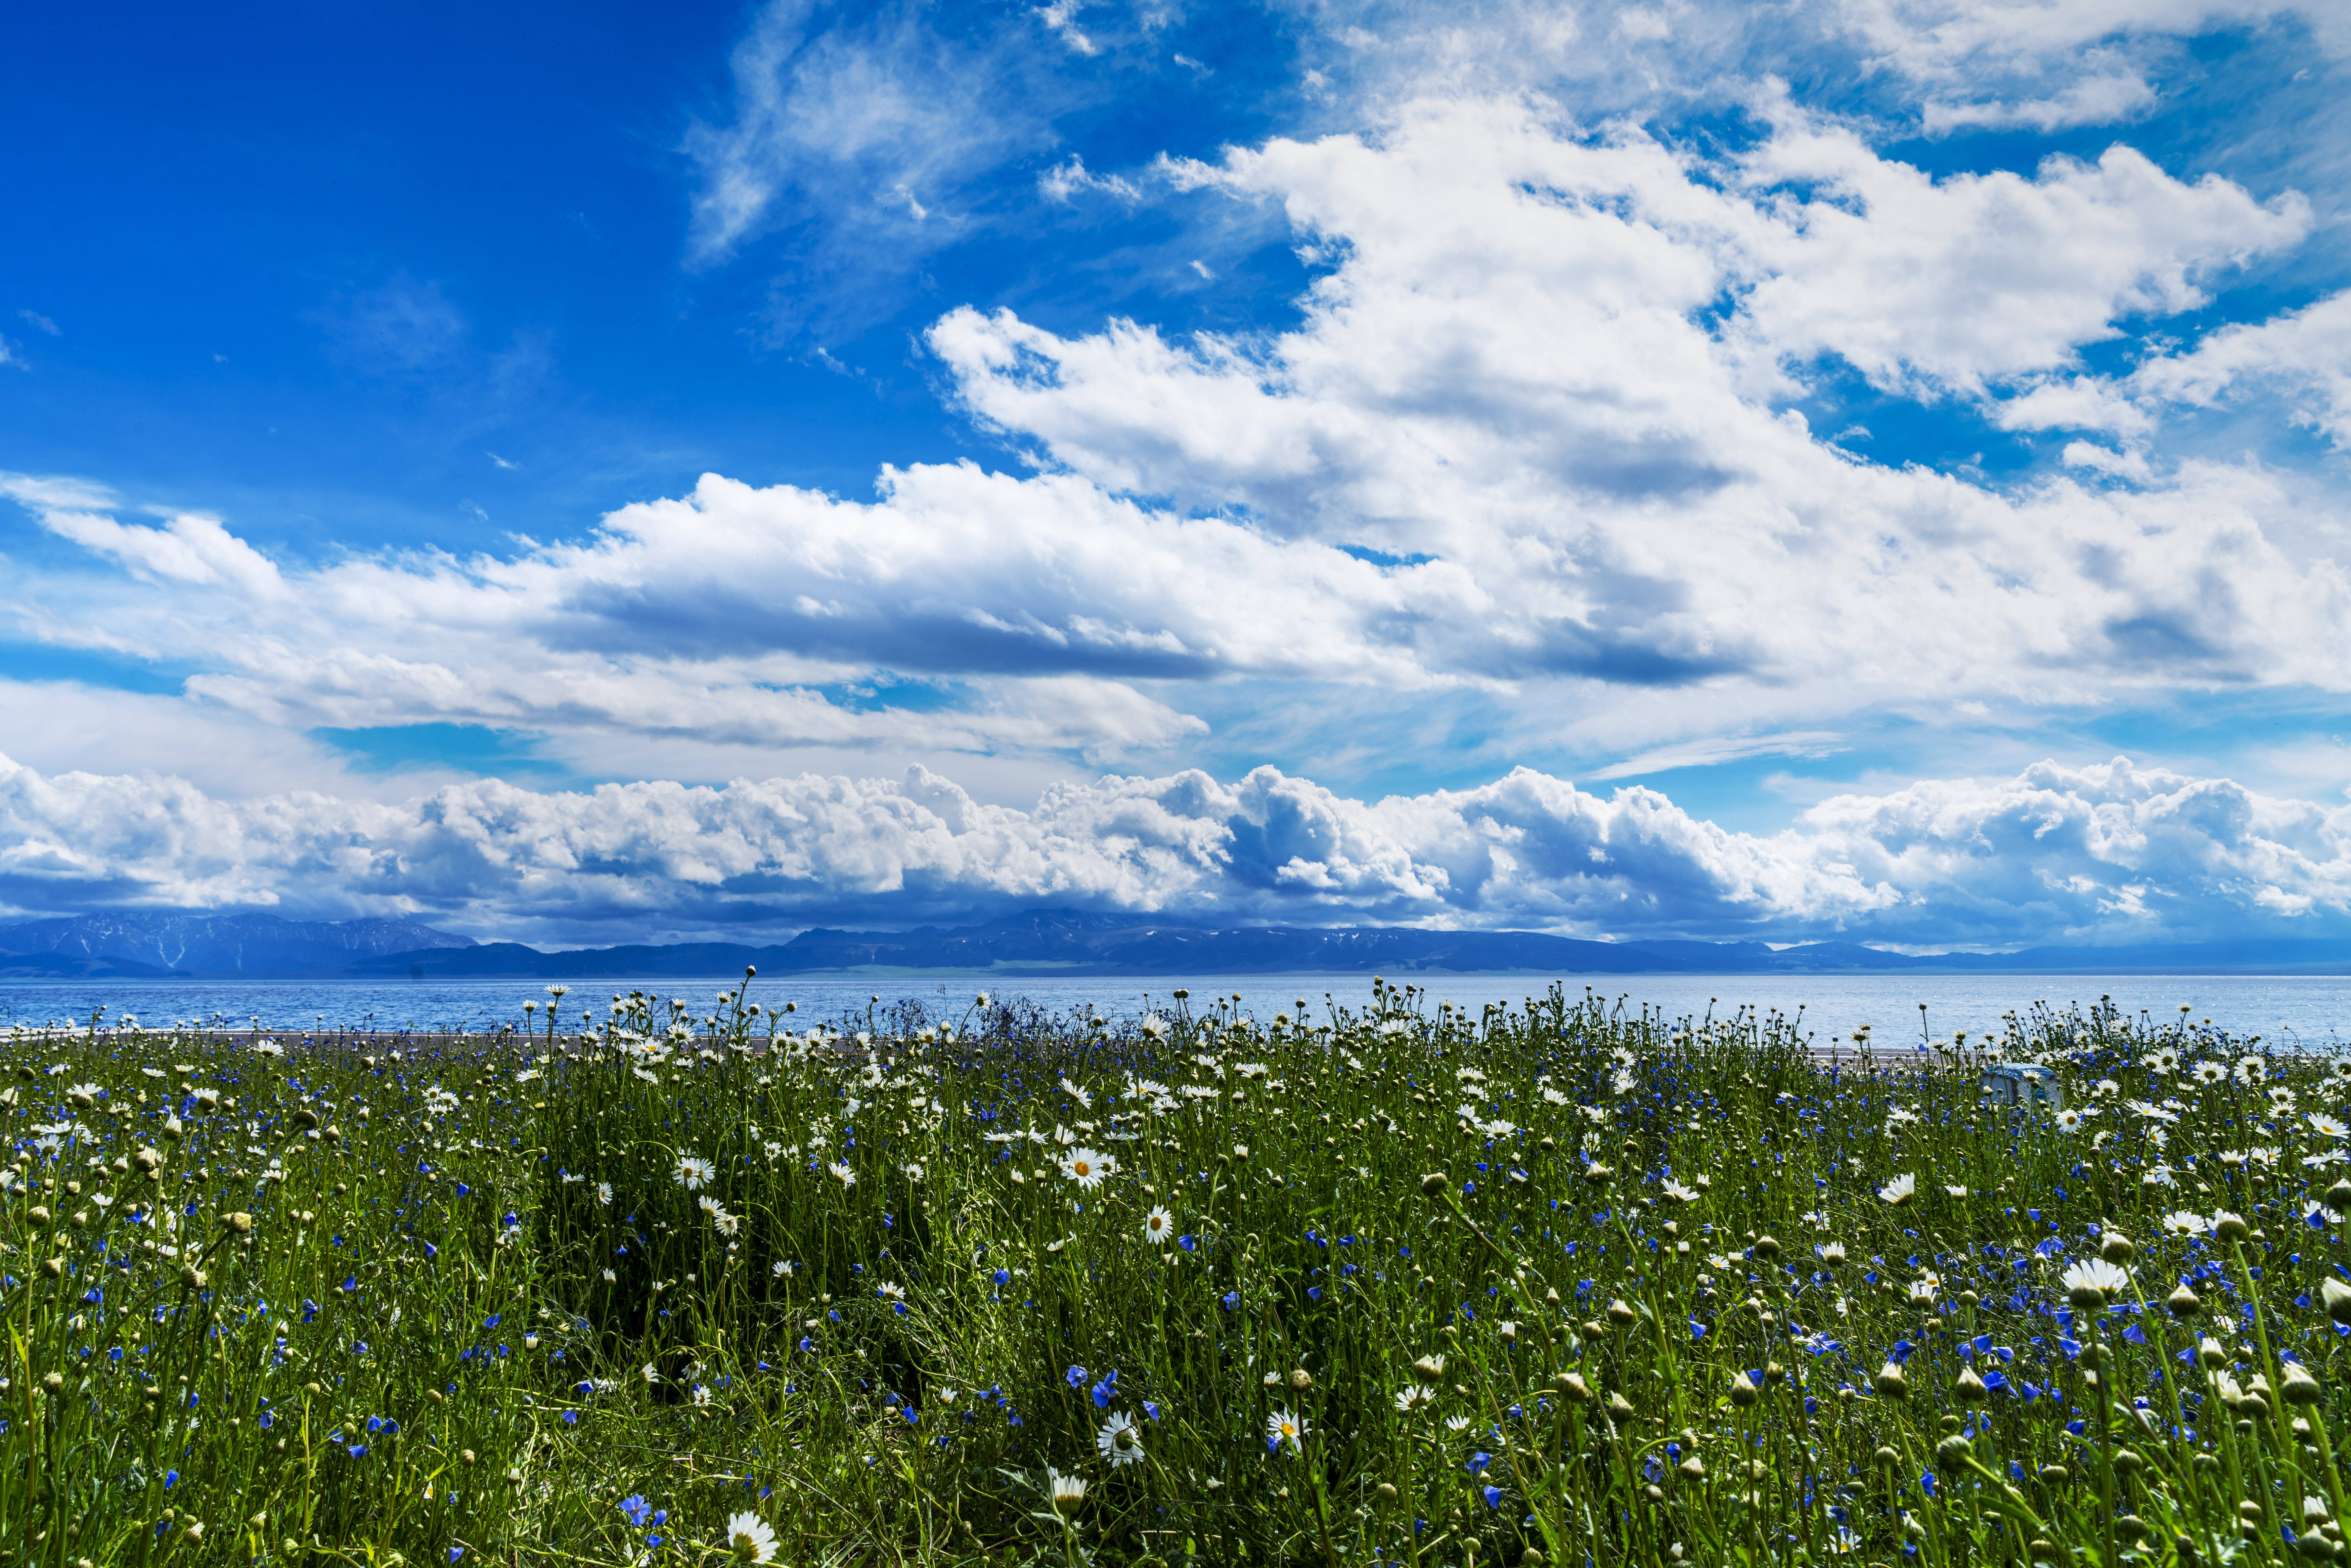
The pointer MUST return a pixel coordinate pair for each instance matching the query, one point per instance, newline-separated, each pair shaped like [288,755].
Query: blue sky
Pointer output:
[1852,468]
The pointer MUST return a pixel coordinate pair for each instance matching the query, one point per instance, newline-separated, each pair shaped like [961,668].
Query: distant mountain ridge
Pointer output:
[164,942]
[1036,943]
[1067,942]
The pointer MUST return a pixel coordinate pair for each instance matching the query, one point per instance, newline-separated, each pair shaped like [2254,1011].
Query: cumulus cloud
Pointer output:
[1530,438]
[2306,354]
[1509,373]
[2055,852]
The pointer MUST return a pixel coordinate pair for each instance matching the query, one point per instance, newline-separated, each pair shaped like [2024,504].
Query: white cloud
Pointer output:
[1935,40]
[2046,855]
[1974,278]
[1514,374]
[2305,352]
[41,323]
[2093,100]
[1508,370]
[882,128]
[1071,177]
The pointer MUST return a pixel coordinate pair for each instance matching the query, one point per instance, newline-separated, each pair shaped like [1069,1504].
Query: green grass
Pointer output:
[1543,1283]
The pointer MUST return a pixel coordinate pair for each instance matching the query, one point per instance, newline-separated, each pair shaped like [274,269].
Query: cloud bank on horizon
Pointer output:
[2103,852]
[1633,407]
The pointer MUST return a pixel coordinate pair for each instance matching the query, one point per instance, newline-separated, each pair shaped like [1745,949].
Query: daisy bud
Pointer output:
[1969,1389]
[1766,1248]
[2184,1302]
[1302,1380]
[1430,1369]
[2337,1296]
[1891,1383]
[1598,1174]
[1619,1409]
[2211,1353]
[2299,1387]
[1620,1314]
[1571,1383]
[1743,1391]
[2115,1248]
[2230,1227]
[1434,1183]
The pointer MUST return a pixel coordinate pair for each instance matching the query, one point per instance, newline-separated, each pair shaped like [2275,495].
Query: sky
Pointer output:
[1856,469]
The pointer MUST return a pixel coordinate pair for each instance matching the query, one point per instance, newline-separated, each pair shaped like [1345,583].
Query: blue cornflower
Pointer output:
[1076,1376]
[637,1509]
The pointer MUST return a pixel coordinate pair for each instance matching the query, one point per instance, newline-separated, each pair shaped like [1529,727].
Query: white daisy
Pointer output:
[2094,1277]
[748,1538]
[694,1172]
[1900,1190]
[1283,1427]
[1087,1168]
[1159,1226]
[1119,1441]
[843,1174]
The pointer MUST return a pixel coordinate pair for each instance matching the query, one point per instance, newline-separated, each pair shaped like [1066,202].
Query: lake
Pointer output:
[2314,1009]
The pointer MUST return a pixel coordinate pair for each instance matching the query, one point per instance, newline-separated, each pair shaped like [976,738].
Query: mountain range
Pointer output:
[1036,943]
[163,943]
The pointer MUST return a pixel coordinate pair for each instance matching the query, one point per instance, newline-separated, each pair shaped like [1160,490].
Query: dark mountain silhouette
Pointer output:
[1066,942]
[160,941]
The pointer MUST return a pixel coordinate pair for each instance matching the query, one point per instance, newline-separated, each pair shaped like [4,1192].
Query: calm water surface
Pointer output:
[2315,1009]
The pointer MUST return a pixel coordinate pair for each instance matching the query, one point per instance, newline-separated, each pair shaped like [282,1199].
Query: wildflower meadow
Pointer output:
[1378,1280]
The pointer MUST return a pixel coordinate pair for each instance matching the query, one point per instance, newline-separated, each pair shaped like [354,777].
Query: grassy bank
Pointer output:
[1399,1283]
